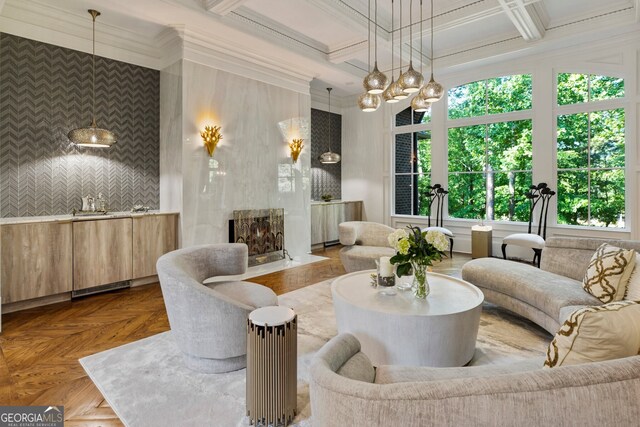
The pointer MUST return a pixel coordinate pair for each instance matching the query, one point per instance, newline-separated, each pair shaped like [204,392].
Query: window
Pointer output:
[590,151]
[413,172]
[408,117]
[489,149]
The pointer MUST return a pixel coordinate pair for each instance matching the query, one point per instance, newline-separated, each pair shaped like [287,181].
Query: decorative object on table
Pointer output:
[211,136]
[93,136]
[329,157]
[272,366]
[89,206]
[139,208]
[415,251]
[296,147]
[327,197]
[437,193]
[386,277]
[536,194]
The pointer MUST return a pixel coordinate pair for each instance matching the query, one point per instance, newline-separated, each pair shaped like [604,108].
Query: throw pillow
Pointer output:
[593,334]
[633,287]
[608,273]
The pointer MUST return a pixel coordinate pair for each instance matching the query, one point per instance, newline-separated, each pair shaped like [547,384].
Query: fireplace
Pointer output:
[262,230]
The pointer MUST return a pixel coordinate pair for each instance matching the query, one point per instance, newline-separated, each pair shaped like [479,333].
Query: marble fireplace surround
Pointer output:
[262,230]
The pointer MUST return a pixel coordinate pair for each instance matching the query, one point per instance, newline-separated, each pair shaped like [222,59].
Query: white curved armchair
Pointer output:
[364,242]
[209,322]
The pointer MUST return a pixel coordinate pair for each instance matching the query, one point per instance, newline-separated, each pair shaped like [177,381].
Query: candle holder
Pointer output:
[386,282]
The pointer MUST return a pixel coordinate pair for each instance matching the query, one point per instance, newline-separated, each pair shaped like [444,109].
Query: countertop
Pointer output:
[333,202]
[71,218]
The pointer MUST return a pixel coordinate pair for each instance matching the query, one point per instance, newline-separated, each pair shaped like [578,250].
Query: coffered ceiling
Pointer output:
[326,39]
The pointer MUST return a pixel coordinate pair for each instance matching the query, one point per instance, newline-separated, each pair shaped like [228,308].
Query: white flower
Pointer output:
[437,239]
[395,237]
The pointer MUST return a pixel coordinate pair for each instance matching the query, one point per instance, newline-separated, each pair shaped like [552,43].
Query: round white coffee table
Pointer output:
[402,330]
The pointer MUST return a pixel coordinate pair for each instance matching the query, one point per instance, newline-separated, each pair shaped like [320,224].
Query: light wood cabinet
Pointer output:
[325,218]
[102,252]
[153,236]
[37,260]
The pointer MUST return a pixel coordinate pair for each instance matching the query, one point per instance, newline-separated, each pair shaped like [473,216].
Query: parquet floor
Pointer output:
[40,347]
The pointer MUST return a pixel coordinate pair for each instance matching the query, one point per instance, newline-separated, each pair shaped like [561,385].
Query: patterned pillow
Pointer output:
[633,287]
[608,273]
[593,334]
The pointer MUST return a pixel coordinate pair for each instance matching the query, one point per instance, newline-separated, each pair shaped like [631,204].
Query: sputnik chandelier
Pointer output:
[376,84]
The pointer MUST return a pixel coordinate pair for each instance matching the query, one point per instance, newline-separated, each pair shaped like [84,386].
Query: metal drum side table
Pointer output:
[272,377]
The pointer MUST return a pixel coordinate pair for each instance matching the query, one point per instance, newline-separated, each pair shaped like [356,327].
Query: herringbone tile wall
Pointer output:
[45,91]
[325,179]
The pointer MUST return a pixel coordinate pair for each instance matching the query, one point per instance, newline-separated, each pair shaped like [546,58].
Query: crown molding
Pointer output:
[222,7]
[1,5]
[45,23]
[636,5]
[202,49]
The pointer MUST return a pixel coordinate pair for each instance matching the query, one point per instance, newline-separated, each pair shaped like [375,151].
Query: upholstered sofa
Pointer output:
[347,390]
[363,242]
[209,322]
[545,295]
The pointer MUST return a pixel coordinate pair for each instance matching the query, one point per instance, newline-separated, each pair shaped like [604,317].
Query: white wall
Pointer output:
[251,167]
[367,137]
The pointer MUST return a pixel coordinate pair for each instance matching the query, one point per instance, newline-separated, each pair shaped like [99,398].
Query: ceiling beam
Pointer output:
[222,7]
[636,4]
[527,18]
[348,15]
[1,5]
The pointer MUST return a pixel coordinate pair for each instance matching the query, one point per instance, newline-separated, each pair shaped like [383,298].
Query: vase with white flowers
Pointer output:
[415,252]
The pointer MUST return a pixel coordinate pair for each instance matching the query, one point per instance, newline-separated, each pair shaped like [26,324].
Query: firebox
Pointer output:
[262,230]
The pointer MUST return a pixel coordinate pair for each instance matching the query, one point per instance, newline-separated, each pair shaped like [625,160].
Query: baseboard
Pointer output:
[36,302]
[144,281]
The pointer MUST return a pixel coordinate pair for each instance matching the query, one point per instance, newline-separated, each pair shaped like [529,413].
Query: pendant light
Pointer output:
[400,94]
[329,157]
[411,80]
[419,103]
[93,136]
[376,81]
[394,88]
[433,90]
[368,102]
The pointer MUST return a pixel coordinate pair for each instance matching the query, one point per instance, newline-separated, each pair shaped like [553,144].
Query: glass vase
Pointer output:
[420,283]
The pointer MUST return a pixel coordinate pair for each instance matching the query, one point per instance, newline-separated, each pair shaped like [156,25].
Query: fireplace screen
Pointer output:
[262,230]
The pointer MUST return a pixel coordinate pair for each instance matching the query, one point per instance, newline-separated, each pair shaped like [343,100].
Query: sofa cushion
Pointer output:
[633,286]
[358,368]
[251,294]
[389,374]
[548,292]
[608,272]
[567,311]
[593,334]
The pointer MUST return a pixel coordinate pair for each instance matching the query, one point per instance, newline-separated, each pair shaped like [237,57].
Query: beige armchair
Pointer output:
[209,322]
[364,242]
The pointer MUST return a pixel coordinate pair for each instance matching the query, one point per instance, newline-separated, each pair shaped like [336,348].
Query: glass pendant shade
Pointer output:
[329,158]
[411,80]
[376,81]
[398,92]
[368,102]
[92,136]
[420,104]
[432,91]
[388,94]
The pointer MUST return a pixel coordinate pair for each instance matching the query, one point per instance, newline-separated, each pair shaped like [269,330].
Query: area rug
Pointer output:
[146,383]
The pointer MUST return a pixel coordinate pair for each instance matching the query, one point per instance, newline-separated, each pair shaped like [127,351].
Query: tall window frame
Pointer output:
[409,129]
[589,108]
[486,116]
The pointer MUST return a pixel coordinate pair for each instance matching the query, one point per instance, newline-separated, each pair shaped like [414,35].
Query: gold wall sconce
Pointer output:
[296,147]
[211,136]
